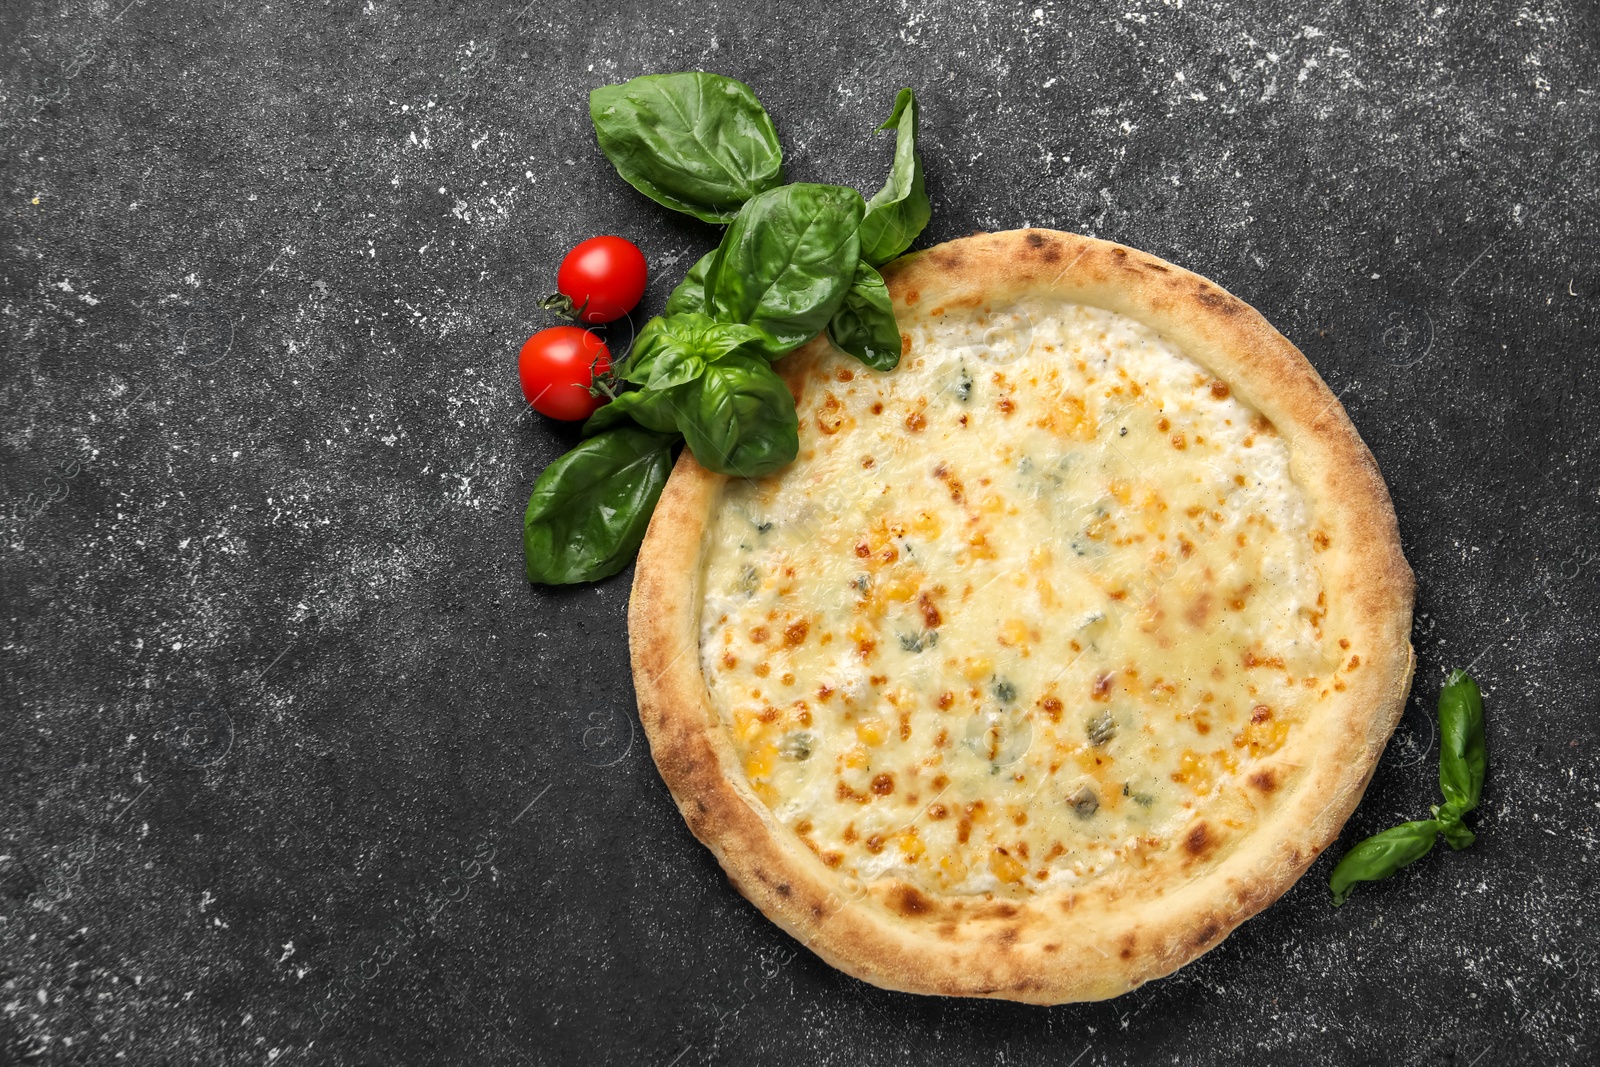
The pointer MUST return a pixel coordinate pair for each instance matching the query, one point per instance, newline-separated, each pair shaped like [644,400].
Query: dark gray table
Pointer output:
[296,769]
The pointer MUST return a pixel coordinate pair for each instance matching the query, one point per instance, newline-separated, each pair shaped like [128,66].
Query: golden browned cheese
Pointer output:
[1022,609]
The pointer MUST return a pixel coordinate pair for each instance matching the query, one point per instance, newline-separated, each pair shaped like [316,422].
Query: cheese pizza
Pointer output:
[1060,650]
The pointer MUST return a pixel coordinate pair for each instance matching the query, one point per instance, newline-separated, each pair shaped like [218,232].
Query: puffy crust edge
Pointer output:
[1052,948]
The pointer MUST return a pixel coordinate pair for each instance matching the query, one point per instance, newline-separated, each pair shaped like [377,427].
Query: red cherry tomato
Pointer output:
[556,367]
[603,277]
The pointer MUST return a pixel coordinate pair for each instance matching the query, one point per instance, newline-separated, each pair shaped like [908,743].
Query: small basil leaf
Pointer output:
[589,509]
[1381,855]
[654,409]
[660,358]
[740,418]
[864,325]
[690,295]
[786,262]
[1462,756]
[694,142]
[897,212]
[647,350]
[673,350]
[1452,828]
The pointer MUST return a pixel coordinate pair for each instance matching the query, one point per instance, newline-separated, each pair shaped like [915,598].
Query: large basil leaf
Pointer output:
[697,143]
[690,295]
[673,350]
[864,325]
[1381,855]
[740,418]
[1462,757]
[786,262]
[897,212]
[590,508]
[654,409]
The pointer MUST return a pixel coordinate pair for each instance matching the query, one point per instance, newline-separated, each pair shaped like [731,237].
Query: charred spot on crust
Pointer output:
[1049,248]
[908,900]
[1006,935]
[783,889]
[1128,942]
[1200,842]
[1214,300]
[1207,934]
[1264,780]
[948,258]
[946,931]
[1151,264]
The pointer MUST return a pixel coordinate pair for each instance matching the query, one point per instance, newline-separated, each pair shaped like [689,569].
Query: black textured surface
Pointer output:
[295,768]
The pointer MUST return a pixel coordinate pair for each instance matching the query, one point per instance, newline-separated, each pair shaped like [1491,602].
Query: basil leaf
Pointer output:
[690,295]
[1381,855]
[1462,758]
[694,142]
[740,418]
[897,212]
[673,350]
[864,325]
[589,509]
[654,409]
[786,263]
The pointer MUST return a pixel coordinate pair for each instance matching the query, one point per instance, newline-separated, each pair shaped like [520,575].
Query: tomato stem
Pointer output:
[562,305]
[602,383]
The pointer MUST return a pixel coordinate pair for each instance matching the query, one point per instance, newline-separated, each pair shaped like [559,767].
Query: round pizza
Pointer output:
[1062,648]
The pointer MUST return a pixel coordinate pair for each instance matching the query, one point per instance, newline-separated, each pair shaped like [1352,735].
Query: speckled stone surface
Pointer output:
[295,768]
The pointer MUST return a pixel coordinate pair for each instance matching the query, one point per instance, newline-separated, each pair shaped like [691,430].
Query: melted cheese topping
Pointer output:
[1021,611]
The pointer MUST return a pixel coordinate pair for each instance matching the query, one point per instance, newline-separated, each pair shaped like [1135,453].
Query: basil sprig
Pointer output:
[796,261]
[1462,763]
[697,143]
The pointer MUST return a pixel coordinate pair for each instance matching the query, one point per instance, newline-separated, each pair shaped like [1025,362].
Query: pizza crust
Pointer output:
[1064,946]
